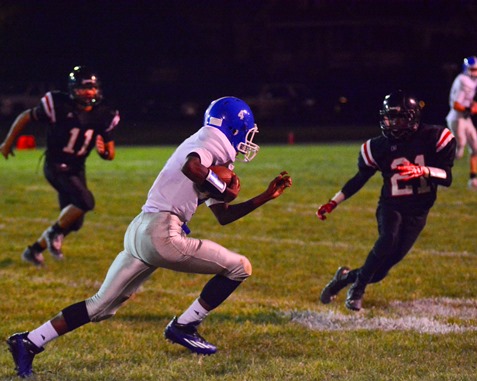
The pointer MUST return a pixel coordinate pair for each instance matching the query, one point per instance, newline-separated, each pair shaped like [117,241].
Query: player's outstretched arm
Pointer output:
[227,213]
[351,187]
[6,148]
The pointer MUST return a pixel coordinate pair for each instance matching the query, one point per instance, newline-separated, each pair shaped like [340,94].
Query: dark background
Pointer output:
[162,62]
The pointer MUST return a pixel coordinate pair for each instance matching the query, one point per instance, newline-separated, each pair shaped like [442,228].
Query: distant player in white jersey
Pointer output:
[158,236]
[462,107]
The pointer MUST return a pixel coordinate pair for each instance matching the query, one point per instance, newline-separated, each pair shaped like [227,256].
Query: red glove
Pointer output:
[412,171]
[326,208]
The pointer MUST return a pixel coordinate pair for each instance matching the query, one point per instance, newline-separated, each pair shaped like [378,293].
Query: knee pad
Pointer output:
[247,266]
[88,202]
[85,202]
[241,271]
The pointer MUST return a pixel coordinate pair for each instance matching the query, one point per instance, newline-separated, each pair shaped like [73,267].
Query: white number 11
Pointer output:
[74,132]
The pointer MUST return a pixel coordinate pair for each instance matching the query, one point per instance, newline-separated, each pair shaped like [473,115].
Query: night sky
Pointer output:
[205,48]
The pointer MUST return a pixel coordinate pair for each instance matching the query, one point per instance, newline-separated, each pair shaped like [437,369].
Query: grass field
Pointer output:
[420,323]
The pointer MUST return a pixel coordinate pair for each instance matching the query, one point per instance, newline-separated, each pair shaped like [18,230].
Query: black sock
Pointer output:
[217,290]
[57,228]
[37,247]
[76,315]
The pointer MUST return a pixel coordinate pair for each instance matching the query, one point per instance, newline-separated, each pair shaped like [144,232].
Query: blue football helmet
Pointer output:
[234,118]
[469,66]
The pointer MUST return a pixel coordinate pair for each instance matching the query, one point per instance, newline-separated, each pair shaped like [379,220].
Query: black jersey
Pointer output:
[431,146]
[72,133]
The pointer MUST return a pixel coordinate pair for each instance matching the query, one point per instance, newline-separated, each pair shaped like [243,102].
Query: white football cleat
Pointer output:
[472,184]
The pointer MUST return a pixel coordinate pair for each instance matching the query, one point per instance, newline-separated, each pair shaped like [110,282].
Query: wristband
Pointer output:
[215,181]
[437,173]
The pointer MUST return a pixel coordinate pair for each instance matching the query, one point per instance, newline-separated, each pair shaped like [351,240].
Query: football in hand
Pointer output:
[225,174]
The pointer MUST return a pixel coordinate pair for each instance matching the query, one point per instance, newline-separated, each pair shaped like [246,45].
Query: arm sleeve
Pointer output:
[367,167]
[354,184]
[39,113]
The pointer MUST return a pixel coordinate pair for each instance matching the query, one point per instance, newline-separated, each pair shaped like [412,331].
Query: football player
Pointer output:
[414,159]
[158,236]
[78,122]
[459,119]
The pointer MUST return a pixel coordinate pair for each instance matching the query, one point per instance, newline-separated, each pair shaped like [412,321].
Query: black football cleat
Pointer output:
[187,336]
[33,256]
[335,285]
[354,299]
[23,352]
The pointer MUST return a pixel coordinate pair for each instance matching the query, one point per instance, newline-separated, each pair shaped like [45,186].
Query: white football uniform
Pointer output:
[157,236]
[462,91]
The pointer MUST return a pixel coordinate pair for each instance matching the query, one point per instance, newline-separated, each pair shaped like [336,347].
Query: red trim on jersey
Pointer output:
[444,139]
[367,155]
[49,106]
[114,122]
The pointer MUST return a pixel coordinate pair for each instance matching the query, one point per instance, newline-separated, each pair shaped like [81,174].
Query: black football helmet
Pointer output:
[83,78]
[400,115]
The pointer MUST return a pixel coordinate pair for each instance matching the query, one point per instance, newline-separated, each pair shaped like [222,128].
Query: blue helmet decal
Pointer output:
[469,66]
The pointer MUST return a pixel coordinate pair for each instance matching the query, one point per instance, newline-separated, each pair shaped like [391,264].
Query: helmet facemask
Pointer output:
[87,95]
[247,147]
[399,116]
[398,125]
[84,87]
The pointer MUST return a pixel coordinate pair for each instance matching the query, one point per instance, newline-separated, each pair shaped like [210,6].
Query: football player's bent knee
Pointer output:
[247,266]
[85,202]
[241,271]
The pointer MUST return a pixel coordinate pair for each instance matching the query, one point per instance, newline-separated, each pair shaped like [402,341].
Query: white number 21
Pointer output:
[408,188]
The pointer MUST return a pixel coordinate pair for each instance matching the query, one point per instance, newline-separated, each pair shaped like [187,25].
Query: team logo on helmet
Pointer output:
[469,66]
